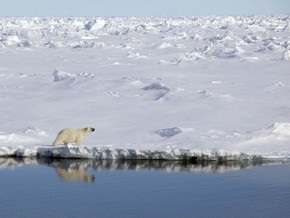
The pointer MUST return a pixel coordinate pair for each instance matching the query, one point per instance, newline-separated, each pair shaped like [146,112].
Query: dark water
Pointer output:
[87,188]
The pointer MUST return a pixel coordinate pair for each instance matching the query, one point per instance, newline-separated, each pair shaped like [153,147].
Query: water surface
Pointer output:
[91,188]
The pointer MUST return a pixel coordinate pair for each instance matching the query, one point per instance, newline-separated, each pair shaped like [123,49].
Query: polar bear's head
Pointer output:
[89,129]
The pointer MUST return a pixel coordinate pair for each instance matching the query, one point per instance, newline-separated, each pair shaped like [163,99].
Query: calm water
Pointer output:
[87,188]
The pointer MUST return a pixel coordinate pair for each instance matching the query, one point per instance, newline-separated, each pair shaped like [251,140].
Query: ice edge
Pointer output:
[131,154]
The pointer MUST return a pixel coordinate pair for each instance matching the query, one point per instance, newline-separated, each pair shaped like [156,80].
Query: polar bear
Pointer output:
[70,135]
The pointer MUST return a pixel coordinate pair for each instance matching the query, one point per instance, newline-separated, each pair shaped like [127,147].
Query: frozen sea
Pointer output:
[212,87]
[141,188]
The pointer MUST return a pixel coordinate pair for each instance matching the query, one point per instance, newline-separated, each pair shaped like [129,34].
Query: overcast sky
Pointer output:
[141,7]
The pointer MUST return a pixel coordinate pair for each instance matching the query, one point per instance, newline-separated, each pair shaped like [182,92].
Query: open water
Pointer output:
[94,188]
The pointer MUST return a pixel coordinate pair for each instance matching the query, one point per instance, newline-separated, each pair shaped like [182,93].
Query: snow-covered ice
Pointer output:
[153,87]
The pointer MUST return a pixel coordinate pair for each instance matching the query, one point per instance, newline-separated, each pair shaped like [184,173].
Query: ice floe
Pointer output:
[214,88]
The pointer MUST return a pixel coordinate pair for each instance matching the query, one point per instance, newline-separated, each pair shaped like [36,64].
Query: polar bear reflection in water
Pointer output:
[72,170]
[70,135]
[74,175]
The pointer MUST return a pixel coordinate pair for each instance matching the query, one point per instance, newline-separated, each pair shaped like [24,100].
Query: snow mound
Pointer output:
[272,142]
[192,56]
[59,75]
[13,138]
[211,95]
[30,135]
[95,24]
[165,45]
[286,55]
[281,129]
[156,86]
[35,131]
[12,39]
[159,89]
[169,132]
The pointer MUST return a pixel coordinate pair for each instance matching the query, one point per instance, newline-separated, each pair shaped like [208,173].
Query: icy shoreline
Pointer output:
[85,152]
[265,144]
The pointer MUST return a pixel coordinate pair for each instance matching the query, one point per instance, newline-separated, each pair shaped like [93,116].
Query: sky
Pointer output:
[141,7]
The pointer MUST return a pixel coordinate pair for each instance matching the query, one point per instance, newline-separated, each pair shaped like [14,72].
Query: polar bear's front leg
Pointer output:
[79,140]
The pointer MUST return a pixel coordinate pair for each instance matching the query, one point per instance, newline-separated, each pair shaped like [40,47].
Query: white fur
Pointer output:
[70,135]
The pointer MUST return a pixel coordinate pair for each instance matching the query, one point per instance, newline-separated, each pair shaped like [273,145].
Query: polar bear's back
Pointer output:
[69,135]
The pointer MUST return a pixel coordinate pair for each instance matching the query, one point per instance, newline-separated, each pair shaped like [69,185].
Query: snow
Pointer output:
[211,88]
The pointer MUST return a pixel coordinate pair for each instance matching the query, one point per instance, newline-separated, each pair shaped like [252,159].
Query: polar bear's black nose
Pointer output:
[93,129]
